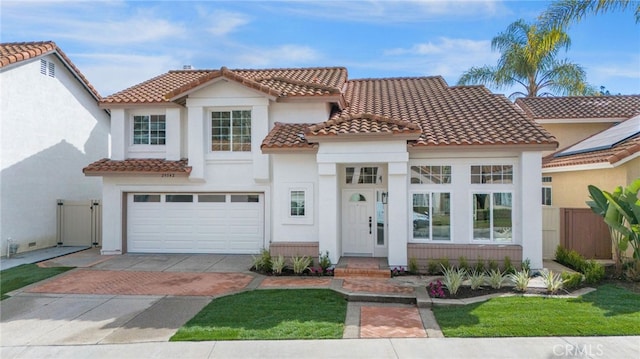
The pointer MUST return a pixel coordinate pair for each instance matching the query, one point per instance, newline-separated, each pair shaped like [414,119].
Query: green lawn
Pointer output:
[23,275]
[269,314]
[610,310]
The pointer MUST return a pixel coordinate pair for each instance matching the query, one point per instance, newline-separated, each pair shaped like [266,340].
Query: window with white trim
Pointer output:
[492,216]
[363,175]
[546,191]
[430,174]
[231,131]
[492,174]
[297,203]
[431,216]
[149,130]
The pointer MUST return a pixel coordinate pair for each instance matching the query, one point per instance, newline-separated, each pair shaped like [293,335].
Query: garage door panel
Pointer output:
[195,227]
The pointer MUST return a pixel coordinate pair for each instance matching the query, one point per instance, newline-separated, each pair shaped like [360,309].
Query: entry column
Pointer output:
[328,199]
[398,213]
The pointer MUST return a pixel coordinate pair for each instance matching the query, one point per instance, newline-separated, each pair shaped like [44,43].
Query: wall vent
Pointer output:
[32,244]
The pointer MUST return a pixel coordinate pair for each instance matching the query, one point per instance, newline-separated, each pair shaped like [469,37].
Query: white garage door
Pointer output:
[195,223]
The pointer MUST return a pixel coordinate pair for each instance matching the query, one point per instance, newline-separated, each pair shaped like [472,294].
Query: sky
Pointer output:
[117,44]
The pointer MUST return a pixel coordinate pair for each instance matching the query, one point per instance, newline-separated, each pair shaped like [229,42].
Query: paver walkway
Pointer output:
[391,322]
[84,281]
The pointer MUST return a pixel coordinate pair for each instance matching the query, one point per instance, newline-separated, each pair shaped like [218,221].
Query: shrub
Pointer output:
[262,262]
[413,266]
[496,278]
[453,279]
[444,262]
[571,280]
[278,264]
[300,264]
[526,265]
[507,266]
[493,265]
[520,280]
[593,272]
[432,267]
[632,271]
[476,279]
[561,254]
[324,261]
[463,264]
[552,281]
[479,267]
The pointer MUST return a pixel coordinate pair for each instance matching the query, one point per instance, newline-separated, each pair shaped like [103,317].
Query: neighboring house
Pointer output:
[599,145]
[567,173]
[51,127]
[303,161]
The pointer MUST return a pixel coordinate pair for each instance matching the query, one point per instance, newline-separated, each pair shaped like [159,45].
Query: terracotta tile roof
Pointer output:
[134,166]
[279,83]
[465,115]
[580,107]
[363,124]
[15,52]
[287,136]
[612,155]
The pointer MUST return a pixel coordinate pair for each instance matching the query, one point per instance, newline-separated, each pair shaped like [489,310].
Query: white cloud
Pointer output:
[446,57]
[395,11]
[111,73]
[283,55]
[225,22]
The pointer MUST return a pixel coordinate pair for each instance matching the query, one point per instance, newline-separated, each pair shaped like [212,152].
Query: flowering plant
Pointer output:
[435,289]
[397,271]
[316,271]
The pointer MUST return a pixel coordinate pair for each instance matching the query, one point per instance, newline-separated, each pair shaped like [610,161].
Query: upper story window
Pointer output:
[362,175]
[47,68]
[430,174]
[231,130]
[492,174]
[149,130]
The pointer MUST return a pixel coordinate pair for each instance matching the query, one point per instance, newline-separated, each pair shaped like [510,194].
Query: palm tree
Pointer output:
[561,13]
[529,58]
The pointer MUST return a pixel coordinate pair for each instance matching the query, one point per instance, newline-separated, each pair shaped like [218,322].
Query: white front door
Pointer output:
[358,222]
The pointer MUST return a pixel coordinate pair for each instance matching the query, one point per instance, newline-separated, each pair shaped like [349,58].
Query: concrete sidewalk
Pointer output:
[481,348]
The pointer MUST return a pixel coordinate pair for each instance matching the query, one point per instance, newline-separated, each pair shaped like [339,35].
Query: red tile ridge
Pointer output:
[222,72]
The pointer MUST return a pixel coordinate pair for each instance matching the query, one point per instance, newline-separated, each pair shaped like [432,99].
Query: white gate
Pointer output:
[79,223]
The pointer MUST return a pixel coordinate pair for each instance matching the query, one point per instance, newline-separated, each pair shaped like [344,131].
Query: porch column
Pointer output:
[531,207]
[328,200]
[398,213]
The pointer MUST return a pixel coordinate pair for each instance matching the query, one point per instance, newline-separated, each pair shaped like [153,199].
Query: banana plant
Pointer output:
[621,212]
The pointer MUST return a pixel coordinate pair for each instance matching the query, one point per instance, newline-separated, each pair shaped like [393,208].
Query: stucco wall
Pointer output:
[51,129]
[569,189]
[569,133]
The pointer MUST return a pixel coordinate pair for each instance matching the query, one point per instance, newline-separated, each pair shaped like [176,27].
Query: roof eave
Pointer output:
[484,147]
[347,137]
[116,105]
[136,173]
[289,149]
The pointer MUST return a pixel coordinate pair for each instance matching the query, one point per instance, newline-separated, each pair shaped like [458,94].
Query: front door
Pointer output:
[358,222]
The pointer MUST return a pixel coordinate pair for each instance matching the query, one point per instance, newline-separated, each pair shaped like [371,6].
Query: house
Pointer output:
[599,145]
[305,160]
[51,128]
